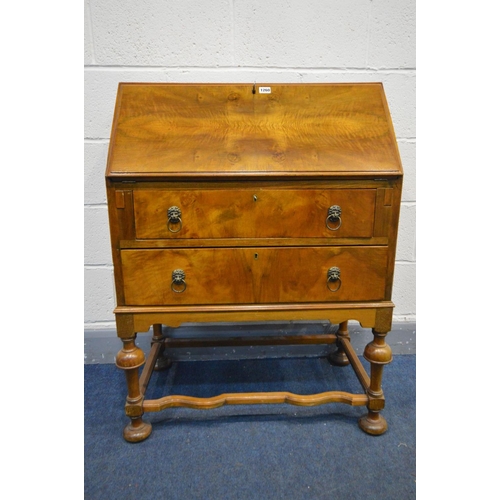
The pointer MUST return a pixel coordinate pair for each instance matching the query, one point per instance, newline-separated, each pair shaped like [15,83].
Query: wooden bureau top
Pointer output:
[173,131]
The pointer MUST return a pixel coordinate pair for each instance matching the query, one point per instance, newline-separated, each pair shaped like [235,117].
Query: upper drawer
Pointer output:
[254,213]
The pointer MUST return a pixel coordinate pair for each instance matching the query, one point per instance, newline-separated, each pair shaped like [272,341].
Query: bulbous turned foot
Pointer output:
[338,358]
[373,423]
[137,430]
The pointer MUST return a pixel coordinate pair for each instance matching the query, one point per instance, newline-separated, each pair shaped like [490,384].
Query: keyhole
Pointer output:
[256,256]
[254,197]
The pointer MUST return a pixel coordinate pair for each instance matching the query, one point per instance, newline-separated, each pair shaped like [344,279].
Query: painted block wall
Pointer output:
[281,41]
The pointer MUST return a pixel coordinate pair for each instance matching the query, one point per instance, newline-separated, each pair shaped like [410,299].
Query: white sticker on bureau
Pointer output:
[264,90]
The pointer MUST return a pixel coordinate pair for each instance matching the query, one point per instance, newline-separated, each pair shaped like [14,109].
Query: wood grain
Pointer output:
[185,130]
[253,275]
[254,212]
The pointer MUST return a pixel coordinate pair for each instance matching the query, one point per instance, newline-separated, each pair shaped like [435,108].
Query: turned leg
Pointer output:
[339,357]
[378,353]
[162,362]
[130,359]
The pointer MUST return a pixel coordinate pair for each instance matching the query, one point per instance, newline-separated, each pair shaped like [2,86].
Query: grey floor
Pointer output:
[102,346]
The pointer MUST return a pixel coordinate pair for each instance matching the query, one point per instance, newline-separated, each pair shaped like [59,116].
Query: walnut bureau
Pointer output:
[253,202]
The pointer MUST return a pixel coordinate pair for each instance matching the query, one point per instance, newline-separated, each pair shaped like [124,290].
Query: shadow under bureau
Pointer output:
[243,202]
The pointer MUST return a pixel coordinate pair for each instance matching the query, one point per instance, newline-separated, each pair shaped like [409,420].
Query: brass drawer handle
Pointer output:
[333,276]
[174,217]
[334,213]
[178,284]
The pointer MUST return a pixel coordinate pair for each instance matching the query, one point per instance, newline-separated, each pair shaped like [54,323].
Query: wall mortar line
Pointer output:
[264,69]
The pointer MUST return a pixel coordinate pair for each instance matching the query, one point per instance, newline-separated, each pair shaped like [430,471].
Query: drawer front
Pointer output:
[257,213]
[253,275]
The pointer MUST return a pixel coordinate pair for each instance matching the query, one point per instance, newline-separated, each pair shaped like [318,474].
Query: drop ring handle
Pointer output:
[178,284]
[333,217]
[333,276]
[174,218]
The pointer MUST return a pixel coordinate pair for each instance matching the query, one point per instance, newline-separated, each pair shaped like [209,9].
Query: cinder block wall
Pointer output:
[242,41]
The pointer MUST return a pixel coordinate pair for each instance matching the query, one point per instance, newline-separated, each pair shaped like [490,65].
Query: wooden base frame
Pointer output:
[131,358]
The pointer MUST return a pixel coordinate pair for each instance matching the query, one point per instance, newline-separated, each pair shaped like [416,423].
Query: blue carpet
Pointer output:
[254,451]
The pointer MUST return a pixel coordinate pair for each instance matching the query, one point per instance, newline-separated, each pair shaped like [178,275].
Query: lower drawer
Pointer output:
[253,275]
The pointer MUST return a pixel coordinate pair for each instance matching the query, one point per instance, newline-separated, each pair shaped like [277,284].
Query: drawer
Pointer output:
[254,213]
[253,275]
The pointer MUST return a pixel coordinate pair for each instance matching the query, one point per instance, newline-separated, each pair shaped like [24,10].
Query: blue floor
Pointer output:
[253,451]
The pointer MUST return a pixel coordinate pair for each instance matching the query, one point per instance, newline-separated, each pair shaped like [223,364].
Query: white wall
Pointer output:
[242,41]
